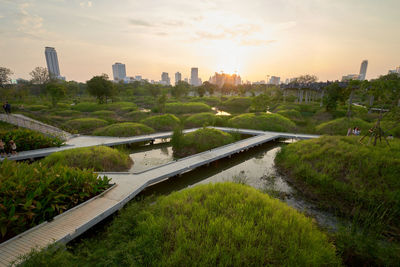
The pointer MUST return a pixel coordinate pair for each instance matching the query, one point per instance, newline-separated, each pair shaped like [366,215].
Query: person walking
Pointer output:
[8,108]
[5,107]
[2,149]
[13,147]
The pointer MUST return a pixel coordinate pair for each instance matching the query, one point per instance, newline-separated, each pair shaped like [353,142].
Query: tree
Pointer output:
[101,88]
[201,90]
[305,79]
[154,89]
[180,89]
[56,91]
[72,88]
[209,87]
[161,101]
[352,86]
[39,75]
[5,76]
[334,93]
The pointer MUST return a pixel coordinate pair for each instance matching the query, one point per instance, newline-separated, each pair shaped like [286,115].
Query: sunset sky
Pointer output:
[256,38]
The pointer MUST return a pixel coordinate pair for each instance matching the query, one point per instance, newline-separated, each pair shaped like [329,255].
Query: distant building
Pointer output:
[397,71]
[138,78]
[194,77]
[165,79]
[363,70]
[350,77]
[275,80]
[178,77]
[52,63]
[119,71]
[220,79]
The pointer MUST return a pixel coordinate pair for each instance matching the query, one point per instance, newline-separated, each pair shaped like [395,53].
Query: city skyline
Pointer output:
[328,39]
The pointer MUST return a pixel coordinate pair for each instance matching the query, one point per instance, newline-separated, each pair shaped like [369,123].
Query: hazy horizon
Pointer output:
[256,38]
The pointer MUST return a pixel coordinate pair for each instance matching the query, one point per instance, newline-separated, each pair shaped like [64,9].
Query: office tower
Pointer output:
[178,77]
[194,77]
[119,71]
[274,80]
[165,79]
[52,63]
[138,77]
[363,70]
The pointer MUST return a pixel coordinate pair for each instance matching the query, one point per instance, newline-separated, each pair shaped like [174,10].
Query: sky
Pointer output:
[255,38]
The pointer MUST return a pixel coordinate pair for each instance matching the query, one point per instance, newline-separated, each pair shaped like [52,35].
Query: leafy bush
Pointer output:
[99,158]
[28,140]
[202,119]
[137,116]
[340,126]
[237,104]
[31,194]
[201,140]
[191,107]
[209,100]
[164,122]
[4,126]
[124,129]
[215,224]
[86,125]
[262,121]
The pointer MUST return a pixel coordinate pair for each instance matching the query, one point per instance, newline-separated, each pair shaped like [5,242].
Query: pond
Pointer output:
[254,167]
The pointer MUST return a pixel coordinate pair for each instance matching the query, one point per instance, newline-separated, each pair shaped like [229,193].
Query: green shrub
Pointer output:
[4,126]
[287,107]
[182,108]
[68,113]
[201,140]
[209,100]
[98,158]
[164,122]
[104,113]
[31,194]
[262,121]
[124,130]
[88,107]
[121,106]
[340,126]
[391,127]
[236,104]
[86,125]
[137,116]
[208,225]
[36,107]
[28,140]
[202,119]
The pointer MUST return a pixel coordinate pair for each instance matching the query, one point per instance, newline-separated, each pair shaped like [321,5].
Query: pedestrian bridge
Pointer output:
[76,221]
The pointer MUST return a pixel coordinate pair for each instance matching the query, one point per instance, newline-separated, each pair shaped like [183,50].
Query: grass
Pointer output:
[216,224]
[236,104]
[290,114]
[166,122]
[199,141]
[186,108]
[97,158]
[125,129]
[341,125]
[202,119]
[355,181]
[32,193]
[104,113]
[262,121]
[86,125]
[137,115]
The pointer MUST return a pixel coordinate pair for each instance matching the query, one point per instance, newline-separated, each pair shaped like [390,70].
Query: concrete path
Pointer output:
[76,221]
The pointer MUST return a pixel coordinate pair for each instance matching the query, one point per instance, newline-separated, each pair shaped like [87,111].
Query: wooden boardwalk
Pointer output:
[76,221]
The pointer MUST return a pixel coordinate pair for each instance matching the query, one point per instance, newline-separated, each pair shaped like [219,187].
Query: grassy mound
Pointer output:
[209,100]
[87,107]
[340,126]
[86,125]
[287,107]
[28,140]
[104,113]
[137,116]
[182,108]
[98,158]
[31,194]
[262,121]
[217,224]
[199,141]
[356,181]
[236,104]
[202,119]
[124,130]
[36,107]
[121,106]
[290,114]
[164,122]
[68,113]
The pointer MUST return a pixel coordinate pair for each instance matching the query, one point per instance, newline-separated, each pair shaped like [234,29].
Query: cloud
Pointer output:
[86,4]
[139,22]
[256,42]
[29,24]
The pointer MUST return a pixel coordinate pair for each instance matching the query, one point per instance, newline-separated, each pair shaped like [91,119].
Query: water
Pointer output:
[254,167]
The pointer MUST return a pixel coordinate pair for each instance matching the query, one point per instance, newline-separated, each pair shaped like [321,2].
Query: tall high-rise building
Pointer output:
[194,77]
[52,63]
[274,80]
[178,77]
[119,71]
[363,70]
[165,79]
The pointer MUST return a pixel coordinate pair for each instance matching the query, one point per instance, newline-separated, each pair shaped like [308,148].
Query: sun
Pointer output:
[228,56]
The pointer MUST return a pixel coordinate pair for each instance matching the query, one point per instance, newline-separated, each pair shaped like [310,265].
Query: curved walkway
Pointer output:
[76,221]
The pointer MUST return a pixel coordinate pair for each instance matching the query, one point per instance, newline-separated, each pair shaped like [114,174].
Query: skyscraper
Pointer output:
[165,78]
[194,77]
[52,63]
[119,71]
[363,70]
[178,77]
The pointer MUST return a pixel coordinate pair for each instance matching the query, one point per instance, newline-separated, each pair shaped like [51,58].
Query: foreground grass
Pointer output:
[125,129]
[216,224]
[356,181]
[98,158]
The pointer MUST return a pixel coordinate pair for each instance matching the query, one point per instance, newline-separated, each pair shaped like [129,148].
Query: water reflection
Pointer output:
[220,112]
